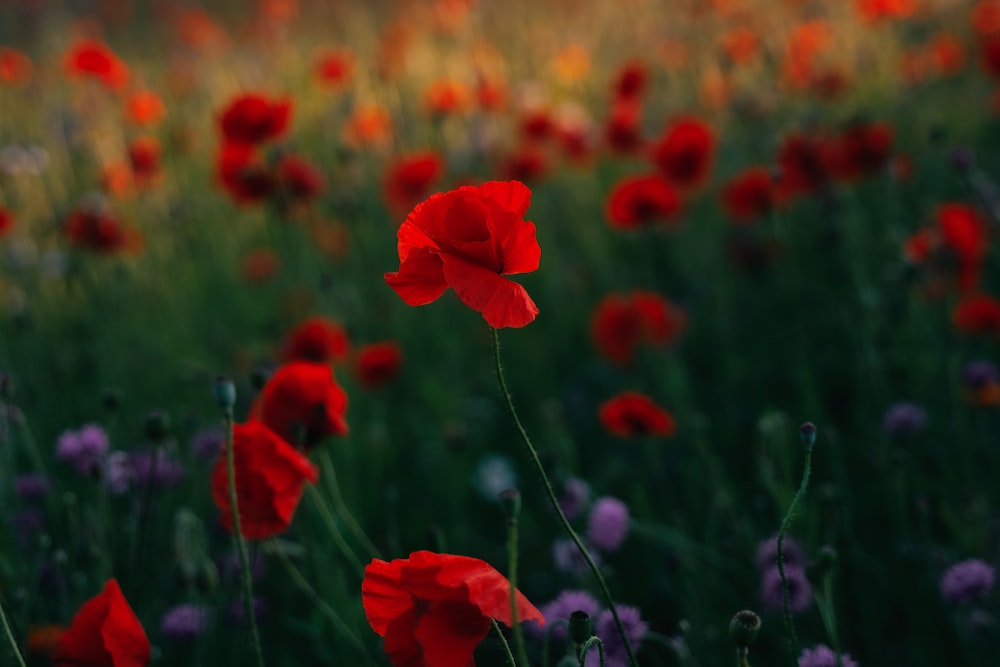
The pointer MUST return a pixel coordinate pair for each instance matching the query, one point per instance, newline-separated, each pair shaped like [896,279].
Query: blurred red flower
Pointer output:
[243,175]
[631,81]
[989,55]
[317,339]
[299,179]
[632,414]
[144,108]
[637,201]
[536,125]
[44,639]
[435,609]
[877,10]
[378,363]
[335,67]
[957,244]
[6,221]
[260,265]
[253,119]
[526,163]
[977,314]
[860,150]
[144,156]
[104,633]
[100,231]
[623,128]
[93,58]
[621,322]
[408,180]
[468,239]
[447,96]
[303,404]
[804,163]
[15,66]
[270,476]
[749,195]
[685,152]
[985,17]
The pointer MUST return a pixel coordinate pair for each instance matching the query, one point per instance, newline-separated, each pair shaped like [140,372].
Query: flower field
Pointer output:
[432,333]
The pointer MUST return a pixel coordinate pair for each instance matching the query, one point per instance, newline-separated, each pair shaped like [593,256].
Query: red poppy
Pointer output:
[632,414]
[15,67]
[740,44]
[877,10]
[860,150]
[435,609]
[623,129]
[104,633]
[985,17]
[6,221]
[144,156]
[989,55]
[638,201]
[243,175]
[631,81]
[947,53]
[270,476]
[408,180]
[378,363]
[100,231]
[144,108]
[685,152]
[93,58]
[254,119]
[303,404]
[446,96]
[621,322]
[749,195]
[468,239]
[491,95]
[318,339]
[334,68]
[299,179]
[804,164]
[977,314]
[526,163]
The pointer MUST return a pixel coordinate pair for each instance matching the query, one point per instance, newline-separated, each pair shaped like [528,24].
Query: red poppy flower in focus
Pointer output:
[243,175]
[977,314]
[378,363]
[303,404]
[621,322]
[6,221]
[632,414]
[15,67]
[749,195]
[468,239]
[685,152]
[435,609]
[299,179]
[334,68]
[100,231]
[93,58]
[104,633]
[319,340]
[640,200]
[270,476]
[254,119]
[408,180]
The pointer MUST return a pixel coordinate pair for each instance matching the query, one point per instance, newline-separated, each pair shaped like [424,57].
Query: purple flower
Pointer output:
[605,628]
[799,590]
[185,622]
[84,449]
[238,613]
[978,374]
[158,470]
[31,487]
[608,523]
[569,559]
[575,496]
[904,418]
[118,472]
[767,554]
[565,604]
[28,524]
[207,444]
[967,581]
[823,656]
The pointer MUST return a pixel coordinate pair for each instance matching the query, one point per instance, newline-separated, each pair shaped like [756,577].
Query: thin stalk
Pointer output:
[785,523]
[10,638]
[825,604]
[241,546]
[322,605]
[340,507]
[522,654]
[331,525]
[593,641]
[533,453]
[503,642]
[742,654]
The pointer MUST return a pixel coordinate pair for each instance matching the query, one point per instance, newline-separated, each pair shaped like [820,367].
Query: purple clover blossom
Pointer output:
[605,628]
[185,622]
[31,487]
[568,558]
[767,554]
[967,581]
[207,444]
[978,374]
[904,419]
[559,609]
[84,449]
[608,523]
[823,656]
[800,592]
[119,475]
[575,496]
[157,469]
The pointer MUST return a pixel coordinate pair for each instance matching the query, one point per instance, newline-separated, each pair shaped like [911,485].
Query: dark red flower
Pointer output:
[144,156]
[94,58]
[956,246]
[685,152]
[536,125]
[861,150]
[434,609]
[254,119]
[408,181]
[104,633]
[804,164]
[6,221]
[631,81]
[989,55]
[100,231]
[632,414]
[378,363]
[622,322]
[303,404]
[749,195]
[468,239]
[527,163]
[15,67]
[623,128]
[638,201]
[243,174]
[299,179]
[270,476]
[319,340]
[977,314]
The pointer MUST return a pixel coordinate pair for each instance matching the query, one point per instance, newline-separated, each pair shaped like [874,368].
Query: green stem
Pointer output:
[241,546]
[10,637]
[522,654]
[785,523]
[549,627]
[331,525]
[339,506]
[503,642]
[533,453]
[825,604]
[742,654]
[595,640]
[321,604]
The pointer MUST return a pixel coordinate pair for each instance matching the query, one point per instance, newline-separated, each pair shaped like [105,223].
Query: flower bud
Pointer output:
[744,627]
[807,434]
[225,393]
[157,425]
[580,627]
[826,561]
[510,503]
[111,399]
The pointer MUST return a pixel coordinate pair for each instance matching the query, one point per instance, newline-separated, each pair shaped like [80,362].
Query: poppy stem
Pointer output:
[331,525]
[742,657]
[241,546]
[10,638]
[533,453]
[503,642]
[793,639]
[593,641]
[330,475]
[522,654]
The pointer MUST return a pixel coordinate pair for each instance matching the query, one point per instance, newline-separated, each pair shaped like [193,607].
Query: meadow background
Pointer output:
[850,301]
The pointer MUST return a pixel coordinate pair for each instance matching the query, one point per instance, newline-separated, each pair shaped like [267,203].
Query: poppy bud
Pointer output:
[825,561]
[111,399]
[744,627]
[580,627]
[510,503]
[807,434]
[225,393]
[157,425]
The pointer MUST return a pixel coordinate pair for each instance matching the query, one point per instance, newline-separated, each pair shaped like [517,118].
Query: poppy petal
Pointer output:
[487,589]
[502,302]
[513,196]
[382,594]
[449,633]
[521,252]
[420,279]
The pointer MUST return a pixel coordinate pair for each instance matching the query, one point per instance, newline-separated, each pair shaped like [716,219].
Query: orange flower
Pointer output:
[368,125]
[144,108]
[572,63]
[446,96]
[15,67]
[740,45]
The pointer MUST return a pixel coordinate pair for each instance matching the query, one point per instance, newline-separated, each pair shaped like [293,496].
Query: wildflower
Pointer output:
[767,554]
[526,163]
[303,404]
[144,157]
[144,108]
[684,152]
[804,164]
[93,58]
[378,363]
[15,66]
[800,593]
[468,239]
[638,201]
[185,622]
[575,496]
[119,474]
[749,195]
[253,119]
[631,414]
[243,175]
[408,180]
[967,581]
[299,179]
[156,468]
[270,475]
[334,68]
[317,339]
[434,609]
[84,449]
[823,656]
[93,227]
[861,150]
[605,628]
[621,322]
[6,221]
[104,633]
[903,419]
[31,487]
[623,128]
[608,523]
[565,604]
[567,557]
[207,443]
[631,81]
[977,314]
